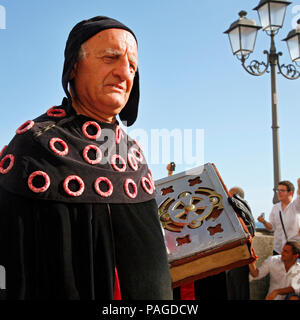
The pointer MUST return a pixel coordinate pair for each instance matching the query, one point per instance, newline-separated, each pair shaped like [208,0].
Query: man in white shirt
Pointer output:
[289,227]
[284,272]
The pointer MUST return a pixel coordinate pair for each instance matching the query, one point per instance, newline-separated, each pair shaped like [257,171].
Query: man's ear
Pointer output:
[73,72]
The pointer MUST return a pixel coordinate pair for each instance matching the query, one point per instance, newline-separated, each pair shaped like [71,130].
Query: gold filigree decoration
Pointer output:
[189,209]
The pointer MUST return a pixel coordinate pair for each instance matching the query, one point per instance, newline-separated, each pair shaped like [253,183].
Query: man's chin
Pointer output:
[111,110]
[114,101]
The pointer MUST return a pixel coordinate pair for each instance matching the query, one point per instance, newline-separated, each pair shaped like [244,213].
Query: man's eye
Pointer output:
[109,59]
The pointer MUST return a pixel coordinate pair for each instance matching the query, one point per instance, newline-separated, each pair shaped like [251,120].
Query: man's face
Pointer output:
[283,193]
[287,254]
[103,78]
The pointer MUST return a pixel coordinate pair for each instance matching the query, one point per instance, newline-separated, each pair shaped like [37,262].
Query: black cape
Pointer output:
[57,245]
[60,144]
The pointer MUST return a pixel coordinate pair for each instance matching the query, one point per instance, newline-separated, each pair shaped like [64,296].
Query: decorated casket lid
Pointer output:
[195,213]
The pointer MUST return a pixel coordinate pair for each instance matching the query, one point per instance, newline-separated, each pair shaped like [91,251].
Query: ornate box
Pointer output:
[202,232]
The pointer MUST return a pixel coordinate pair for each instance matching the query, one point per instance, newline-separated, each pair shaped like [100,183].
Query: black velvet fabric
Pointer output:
[64,251]
[32,152]
[238,283]
[55,245]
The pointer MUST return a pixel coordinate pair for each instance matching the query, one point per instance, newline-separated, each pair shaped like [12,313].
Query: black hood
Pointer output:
[83,31]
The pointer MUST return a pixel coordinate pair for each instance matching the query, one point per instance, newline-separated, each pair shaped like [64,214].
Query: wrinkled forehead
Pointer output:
[118,39]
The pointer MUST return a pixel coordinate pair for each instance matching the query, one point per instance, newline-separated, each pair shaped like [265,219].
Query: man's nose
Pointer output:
[123,69]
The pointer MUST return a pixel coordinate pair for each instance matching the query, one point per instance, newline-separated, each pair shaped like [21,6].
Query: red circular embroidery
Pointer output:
[114,157]
[96,125]
[98,154]
[2,151]
[126,187]
[138,155]
[99,191]
[25,127]
[62,143]
[132,161]
[11,163]
[57,113]
[44,187]
[118,134]
[147,185]
[73,193]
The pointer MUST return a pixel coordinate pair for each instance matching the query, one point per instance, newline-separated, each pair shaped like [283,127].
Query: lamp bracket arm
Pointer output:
[288,71]
[256,68]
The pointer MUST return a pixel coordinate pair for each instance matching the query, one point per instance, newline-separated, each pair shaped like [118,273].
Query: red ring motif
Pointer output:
[146,181]
[98,154]
[132,161]
[57,113]
[62,143]
[11,163]
[113,159]
[96,125]
[25,127]
[126,187]
[66,186]
[137,154]
[44,187]
[2,151]
[118,134]
[99,191]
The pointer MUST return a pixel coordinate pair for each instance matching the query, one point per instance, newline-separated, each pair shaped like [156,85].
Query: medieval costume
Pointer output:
[78,203]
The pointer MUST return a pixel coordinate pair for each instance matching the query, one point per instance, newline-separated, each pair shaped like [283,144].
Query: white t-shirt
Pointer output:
[279,278]
[291,220]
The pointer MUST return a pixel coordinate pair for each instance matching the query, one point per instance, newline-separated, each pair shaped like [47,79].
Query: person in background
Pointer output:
[171,168]
[238,278]
[237,190]
[284,273]
[285,216]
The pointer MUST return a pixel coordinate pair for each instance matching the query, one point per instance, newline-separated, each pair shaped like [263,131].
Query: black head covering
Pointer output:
[83,31]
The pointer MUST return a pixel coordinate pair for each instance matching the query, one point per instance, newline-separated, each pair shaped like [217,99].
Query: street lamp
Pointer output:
[293,42]
[242,35]
[271,14]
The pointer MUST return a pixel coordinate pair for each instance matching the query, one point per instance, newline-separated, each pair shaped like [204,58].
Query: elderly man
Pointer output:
[77,198]
[238,279]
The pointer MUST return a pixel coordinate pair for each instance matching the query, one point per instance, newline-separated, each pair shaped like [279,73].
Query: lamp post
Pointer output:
[242,35]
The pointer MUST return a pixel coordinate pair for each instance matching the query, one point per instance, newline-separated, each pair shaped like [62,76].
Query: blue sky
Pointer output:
[189,80]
